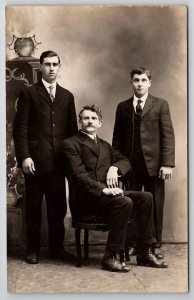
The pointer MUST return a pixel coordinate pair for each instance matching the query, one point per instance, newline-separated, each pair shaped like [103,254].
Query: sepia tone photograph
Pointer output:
[96,149]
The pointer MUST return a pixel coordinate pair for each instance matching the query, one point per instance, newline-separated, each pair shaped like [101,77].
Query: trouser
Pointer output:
[116,210]
[143,208]
[141,179]
[52,185]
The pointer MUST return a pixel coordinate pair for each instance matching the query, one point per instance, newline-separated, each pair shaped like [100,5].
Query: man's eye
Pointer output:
[48,64]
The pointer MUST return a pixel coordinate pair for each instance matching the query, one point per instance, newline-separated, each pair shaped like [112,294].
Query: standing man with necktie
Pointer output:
[143,132]
[45,117]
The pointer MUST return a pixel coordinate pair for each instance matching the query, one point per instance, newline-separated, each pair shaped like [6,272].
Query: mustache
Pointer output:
[90,125]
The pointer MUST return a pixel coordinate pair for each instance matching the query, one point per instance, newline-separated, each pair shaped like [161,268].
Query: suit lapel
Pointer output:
[87,141]
[58,96]
[148,105]
[129,108]
[102,151]
[43,93]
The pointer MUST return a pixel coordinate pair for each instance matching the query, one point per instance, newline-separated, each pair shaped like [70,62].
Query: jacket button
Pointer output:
[53,124]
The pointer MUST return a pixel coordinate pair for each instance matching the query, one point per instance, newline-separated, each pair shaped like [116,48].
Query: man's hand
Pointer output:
[112,177]
[28,166]
[112,191]
[165,172]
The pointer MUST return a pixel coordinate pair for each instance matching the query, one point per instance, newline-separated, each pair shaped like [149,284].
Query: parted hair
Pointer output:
[139,71]
[94,107]
[49,53]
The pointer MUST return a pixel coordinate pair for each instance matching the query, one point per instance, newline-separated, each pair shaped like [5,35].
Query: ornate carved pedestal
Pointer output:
[20,72]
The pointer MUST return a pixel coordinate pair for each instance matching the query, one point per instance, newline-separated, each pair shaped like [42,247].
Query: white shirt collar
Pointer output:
[143,98]
[47,84]
[92,136]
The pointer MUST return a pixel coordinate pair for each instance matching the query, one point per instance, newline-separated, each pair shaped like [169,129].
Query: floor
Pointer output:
[56,277]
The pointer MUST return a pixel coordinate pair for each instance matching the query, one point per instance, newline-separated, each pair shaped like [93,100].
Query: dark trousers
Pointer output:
[143,208]
[116,211]
[52,185]
[142,180]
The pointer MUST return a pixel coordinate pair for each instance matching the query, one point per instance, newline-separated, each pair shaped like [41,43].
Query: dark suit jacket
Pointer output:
[156,131]
[40,126]
[88,163]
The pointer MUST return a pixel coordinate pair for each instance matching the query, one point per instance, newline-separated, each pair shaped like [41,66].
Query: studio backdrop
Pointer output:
[98,47]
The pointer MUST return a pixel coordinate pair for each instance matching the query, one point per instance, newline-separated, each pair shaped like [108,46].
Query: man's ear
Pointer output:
[100,123]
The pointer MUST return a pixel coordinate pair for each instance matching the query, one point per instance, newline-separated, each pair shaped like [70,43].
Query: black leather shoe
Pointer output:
[148,259]
[113,264]
[158,252]
[32,257]
[62,254]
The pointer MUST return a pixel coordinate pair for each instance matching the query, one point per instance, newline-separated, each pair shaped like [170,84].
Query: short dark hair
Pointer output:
[48,54]
[139,71]
[94,107]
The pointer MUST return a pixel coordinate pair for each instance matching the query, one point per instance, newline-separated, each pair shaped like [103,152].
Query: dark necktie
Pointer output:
[95,140]
[138,107]
[51,87]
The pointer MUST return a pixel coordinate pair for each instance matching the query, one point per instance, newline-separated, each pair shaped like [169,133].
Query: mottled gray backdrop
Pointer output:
[98,47]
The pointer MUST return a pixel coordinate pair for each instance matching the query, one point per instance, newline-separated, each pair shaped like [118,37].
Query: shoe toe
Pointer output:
[32,258]
[159,256]
[114,265]
[164,265]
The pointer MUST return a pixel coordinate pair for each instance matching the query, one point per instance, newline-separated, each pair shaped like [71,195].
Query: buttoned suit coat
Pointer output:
[156,133]
[88,164]
[40,126]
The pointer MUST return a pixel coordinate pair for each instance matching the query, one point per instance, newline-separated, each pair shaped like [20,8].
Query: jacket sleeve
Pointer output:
[120,161]
[20,127]
[72,124]
[77,172]
[116,132]
[167,137]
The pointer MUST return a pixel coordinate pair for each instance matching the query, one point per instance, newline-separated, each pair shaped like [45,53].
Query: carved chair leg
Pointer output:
[78,247]
[86,247]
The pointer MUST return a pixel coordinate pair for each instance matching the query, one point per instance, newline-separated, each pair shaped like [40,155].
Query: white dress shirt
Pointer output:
[47,86]
[143,99]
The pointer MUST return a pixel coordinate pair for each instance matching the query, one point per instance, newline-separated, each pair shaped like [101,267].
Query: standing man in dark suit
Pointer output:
[143,132]
[93,170]
[45,117]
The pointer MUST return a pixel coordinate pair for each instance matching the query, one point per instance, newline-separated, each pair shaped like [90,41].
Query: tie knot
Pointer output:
[95,140]
[139,101]
[51,87]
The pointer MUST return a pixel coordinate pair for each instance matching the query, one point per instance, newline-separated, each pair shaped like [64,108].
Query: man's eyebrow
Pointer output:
[48,63]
